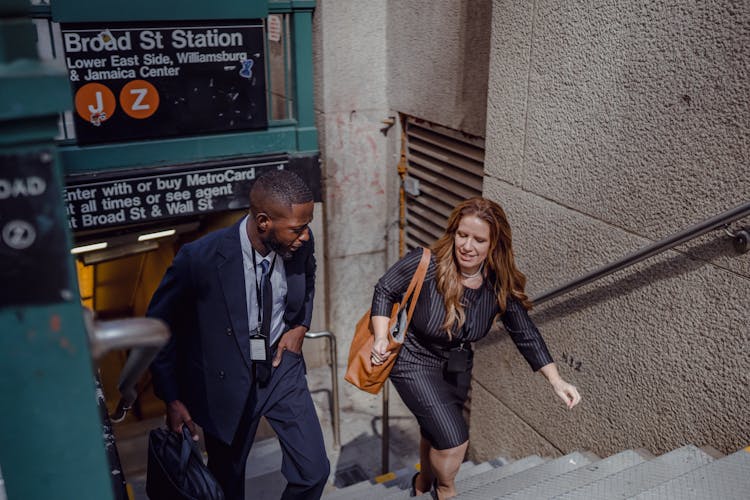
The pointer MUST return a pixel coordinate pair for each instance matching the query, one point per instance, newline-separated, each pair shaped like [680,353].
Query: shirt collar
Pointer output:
[247,247]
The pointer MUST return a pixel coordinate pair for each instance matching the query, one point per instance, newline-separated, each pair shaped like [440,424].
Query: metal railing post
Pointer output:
[334,364]
[384,455]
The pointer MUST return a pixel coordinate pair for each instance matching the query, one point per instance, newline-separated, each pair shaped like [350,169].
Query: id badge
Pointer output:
[258,346]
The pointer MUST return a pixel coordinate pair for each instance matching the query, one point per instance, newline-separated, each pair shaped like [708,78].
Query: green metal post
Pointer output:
[50,434]
[307,134]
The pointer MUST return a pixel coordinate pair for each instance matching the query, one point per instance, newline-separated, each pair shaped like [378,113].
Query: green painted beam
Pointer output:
[15,132]
[17,39]
[30,88]
[161,10]
[51,443]
[51,439]
[178,150]
[10,8]
[307,135]
[283,6]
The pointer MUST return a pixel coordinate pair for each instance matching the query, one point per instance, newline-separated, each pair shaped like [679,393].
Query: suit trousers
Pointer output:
[287,405]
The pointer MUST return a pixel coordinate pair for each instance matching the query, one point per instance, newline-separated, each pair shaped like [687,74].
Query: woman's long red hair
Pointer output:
[500,263]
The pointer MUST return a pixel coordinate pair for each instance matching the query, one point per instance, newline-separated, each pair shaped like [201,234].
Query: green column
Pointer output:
[307,135]
[50,434]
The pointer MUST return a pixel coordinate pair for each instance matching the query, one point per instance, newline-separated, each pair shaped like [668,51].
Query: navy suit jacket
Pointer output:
[206,363]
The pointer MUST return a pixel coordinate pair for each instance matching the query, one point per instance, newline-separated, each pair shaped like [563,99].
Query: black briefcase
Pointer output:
[176,470]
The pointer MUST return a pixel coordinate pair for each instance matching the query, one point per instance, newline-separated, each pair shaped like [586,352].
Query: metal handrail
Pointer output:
[144,336]
[334,364]
[139,360]
[667,243]
[105,336]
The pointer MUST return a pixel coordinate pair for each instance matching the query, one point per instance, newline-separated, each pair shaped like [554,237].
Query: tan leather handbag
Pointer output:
[360,371]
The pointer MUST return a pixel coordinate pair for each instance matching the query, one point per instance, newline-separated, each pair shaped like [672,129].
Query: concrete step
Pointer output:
[493,487]
[397,486]
[265,457]
[727,478]
[467,470]
[353,491]
[552,486]
[497,473]
[473,471]
[634,480]
[403,485]
[263,477]
[377,488]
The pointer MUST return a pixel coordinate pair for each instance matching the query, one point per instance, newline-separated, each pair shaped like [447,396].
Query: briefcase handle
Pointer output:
[188,448]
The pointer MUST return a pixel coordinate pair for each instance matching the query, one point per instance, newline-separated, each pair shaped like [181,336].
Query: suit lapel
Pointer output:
[293,286]
[232,278]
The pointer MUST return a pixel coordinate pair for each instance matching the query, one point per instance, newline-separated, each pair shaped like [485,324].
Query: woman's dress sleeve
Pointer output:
[525,335]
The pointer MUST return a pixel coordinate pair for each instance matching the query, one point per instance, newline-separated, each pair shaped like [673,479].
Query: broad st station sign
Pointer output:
[150,80]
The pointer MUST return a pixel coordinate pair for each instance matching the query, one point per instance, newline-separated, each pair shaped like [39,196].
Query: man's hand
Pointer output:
[290,340]
[177,415]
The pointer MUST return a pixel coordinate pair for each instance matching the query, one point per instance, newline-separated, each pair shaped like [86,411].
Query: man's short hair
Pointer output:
[278,187]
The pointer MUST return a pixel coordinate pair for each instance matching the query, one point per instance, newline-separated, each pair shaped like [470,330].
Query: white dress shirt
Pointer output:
[252,278]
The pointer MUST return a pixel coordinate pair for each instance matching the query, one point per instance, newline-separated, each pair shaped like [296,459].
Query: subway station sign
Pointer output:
[149,80]
[97,201]
[33,246]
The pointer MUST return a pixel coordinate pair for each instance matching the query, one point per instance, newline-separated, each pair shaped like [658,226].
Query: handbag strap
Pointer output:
[415,287]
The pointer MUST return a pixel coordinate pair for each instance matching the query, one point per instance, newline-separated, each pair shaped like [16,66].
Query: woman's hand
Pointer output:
[380,350]
[567,392]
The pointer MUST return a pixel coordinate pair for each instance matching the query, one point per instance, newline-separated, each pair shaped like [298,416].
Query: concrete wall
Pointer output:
[609,126]
[438,53]
[350,102]
[372,60]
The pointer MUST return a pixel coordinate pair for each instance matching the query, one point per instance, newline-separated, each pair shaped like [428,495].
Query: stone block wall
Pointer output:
[611,125]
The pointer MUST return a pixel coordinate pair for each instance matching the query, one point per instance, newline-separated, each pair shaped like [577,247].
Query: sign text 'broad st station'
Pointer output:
[150,80]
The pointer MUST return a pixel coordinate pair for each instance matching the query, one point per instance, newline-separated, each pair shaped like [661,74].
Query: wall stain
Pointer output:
[55,323]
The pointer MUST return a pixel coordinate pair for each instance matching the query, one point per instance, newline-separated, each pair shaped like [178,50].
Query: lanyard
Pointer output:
[257,283]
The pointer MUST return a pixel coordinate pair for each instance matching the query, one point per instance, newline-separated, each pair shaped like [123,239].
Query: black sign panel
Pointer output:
[33,251]
[148,80]
[144,195]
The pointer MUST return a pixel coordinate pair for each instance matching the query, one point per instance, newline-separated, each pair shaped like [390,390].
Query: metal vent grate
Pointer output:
[448,167]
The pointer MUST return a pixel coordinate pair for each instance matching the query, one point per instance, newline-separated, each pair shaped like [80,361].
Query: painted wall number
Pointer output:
[572,362]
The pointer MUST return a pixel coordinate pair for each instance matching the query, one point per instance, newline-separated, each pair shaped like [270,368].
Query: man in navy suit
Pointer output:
[239,302]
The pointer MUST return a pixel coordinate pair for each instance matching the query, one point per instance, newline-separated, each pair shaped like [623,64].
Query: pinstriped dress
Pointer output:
[435,396]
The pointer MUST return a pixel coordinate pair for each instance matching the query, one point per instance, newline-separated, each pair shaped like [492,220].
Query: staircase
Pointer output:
[685,473]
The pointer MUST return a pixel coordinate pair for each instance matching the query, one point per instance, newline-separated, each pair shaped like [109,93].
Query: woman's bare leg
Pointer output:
[444,466]
[425,477]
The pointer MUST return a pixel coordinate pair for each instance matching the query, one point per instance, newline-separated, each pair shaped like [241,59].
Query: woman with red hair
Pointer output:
[471,280]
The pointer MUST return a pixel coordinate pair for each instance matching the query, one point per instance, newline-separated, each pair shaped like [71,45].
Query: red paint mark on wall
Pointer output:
[55,323]
[65,344]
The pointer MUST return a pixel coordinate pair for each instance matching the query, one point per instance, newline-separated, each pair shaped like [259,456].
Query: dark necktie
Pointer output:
[263,369]
[266,299]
